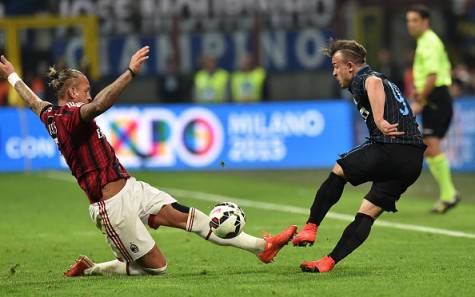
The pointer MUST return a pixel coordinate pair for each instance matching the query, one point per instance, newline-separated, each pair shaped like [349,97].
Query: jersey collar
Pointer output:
[364,68]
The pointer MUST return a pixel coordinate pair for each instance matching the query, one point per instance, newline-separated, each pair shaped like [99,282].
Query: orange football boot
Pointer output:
[77,269]
[306,236]
[275,243]
[325,264]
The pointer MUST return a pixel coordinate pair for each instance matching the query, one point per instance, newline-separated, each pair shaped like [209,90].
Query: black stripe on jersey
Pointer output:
[45,108]
[109,157]
[81,168]
[94,161]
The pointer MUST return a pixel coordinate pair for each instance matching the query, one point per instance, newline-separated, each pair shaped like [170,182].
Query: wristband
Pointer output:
[131,71]
[13,78]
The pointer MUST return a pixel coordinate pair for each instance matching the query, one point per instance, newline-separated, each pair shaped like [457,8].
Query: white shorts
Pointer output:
[123,218]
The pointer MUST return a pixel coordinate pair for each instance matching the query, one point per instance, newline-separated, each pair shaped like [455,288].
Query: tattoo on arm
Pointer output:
[30,98]
[105,98]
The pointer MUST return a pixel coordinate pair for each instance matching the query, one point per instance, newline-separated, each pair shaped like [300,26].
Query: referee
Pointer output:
[432,78]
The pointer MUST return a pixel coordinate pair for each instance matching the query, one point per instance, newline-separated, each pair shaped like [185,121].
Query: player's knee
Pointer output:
[338,170]
[156,271]
[432,151]
[433,146]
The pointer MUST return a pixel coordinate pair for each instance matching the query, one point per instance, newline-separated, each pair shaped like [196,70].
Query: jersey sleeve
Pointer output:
[360,85]
[44,113]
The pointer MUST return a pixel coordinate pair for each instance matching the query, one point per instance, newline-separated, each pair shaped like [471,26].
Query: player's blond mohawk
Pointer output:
[58,78]
[351,50]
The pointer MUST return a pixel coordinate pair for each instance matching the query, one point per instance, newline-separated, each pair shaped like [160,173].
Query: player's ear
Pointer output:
[71,92]
[350,65]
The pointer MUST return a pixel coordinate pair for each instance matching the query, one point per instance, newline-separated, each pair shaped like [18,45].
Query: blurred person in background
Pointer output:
[173,87]
[462,79]
[211,82]
[432,79]
[249,82]
[408,76]
[389,67]
[4,87]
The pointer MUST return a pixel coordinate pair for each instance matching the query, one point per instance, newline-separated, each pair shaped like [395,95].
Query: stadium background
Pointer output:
[291,135]
[284,37]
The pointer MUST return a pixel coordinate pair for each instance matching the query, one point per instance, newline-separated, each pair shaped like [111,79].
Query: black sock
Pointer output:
[328,194]
[353,236]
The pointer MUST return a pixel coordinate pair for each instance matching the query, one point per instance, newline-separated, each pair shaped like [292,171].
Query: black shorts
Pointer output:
[437,114]
[391,167]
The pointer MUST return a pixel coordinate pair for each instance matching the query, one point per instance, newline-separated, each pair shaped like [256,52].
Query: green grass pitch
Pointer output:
[45,225]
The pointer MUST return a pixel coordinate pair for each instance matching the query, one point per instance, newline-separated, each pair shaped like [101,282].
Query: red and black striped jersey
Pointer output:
[87,152]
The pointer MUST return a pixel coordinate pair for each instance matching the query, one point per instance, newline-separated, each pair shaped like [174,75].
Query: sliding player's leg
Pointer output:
[193,220]
[152,263]
[118,219]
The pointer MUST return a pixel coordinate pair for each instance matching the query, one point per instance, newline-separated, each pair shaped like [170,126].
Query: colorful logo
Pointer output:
[201,137]
[157,136]
[198,136]
[161,135]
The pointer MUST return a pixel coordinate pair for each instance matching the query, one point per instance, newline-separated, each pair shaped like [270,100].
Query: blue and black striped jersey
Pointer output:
[396,109]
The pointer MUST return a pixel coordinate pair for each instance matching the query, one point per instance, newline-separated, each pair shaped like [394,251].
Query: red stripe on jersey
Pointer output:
[112,234]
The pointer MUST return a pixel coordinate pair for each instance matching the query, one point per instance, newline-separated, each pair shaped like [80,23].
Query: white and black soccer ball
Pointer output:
[227,220]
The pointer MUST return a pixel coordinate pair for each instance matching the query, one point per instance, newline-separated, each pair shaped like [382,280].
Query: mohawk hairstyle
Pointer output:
[351,50]
[60,78]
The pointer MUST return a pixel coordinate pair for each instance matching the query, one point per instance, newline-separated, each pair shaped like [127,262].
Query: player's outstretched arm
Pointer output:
[377,98]
[108,96]
[31,99]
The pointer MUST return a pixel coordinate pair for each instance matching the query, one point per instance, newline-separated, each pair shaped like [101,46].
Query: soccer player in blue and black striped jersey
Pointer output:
[391,158]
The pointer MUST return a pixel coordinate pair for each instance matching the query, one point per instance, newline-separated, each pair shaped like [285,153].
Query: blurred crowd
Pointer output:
[247,83]
[210,84]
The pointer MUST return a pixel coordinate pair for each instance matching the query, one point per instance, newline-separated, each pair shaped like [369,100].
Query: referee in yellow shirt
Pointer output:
[432,78]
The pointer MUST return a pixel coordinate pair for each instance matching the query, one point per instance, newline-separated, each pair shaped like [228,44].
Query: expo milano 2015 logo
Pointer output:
[161,137]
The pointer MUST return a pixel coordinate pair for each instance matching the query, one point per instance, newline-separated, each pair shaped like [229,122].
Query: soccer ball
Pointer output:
[227,220]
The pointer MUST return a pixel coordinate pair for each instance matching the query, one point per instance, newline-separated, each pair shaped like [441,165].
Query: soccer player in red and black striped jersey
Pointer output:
[120,206]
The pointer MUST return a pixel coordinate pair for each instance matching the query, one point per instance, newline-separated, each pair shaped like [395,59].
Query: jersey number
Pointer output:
[53,131]
[397,94]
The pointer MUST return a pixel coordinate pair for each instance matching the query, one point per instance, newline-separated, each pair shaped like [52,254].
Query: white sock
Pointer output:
[117,267]
[198,223]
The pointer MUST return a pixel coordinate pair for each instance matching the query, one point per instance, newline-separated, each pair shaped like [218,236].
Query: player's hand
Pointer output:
[420,99]
[388,129]
[138,58]
[416,107]
[6,68]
